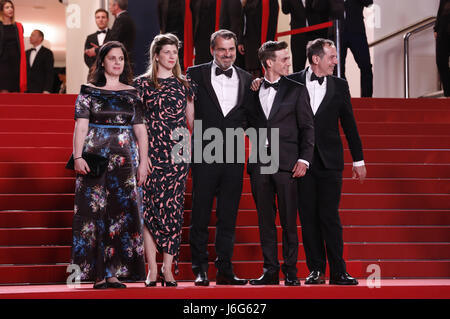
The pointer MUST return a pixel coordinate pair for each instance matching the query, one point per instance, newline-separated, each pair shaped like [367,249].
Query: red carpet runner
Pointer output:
[398,219]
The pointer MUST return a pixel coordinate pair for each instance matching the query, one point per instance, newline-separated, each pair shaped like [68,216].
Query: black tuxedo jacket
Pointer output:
[336,107]
[40,75]
[207,107]
[171,16]
[124,30]
[92,38]
[354,19]
[291,114]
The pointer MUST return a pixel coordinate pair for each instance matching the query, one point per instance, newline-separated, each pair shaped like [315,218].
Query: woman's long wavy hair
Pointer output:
[2,4]
[152,71]
[97,74]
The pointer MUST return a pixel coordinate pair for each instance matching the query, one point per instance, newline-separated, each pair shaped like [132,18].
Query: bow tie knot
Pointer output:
[320,79]
[101,31]
[275,85]
[228,73]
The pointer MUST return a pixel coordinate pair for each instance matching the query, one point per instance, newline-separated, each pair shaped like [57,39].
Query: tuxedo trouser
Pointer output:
[357,43]
[223,181]
[319,196]
[264,189]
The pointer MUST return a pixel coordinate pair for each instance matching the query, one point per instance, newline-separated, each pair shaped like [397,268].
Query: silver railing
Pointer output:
[410,30]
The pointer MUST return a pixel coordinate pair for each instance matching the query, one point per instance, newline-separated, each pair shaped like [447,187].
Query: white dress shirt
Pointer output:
[266,98]
[33,54]
[101,37]
[316,94]
[226,89]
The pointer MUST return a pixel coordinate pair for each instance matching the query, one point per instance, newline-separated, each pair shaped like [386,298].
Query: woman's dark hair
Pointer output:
[97,74]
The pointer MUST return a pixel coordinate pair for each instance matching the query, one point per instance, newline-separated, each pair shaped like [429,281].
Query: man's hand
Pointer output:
[299,169]
[359,172]
[256,84]
[90,52]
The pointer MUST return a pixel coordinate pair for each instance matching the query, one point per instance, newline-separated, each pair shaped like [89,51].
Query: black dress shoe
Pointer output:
[291,281]
[222,279]
[266,279]
[202,279]
[117,285]
[316,277]
[342,279]
[103,285]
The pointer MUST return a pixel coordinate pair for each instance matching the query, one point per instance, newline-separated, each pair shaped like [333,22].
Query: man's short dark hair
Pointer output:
[268,49]
[102,10]
[123,4]
[40,33]
[224,34]
[315,47]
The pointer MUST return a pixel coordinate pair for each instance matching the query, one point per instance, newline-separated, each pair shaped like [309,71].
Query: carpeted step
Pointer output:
[40,139]
[349,201]
[63,219]
[49,185]
[37,99]
[364,128]
[361,114]
[357,268]
[244,234]
[242,252]
[400,103]
[387,170]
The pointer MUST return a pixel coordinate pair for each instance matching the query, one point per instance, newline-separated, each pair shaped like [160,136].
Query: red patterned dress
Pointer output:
[164,112]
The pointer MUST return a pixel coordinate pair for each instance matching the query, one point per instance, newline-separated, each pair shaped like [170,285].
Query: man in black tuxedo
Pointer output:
[354,38]
[39,65]
[320,189]
[96,39]
[203,25]
[223,90]
[123,29]
[283,105]
[303,13]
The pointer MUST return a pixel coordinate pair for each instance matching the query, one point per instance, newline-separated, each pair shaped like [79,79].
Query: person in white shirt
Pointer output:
[39,65]
[320,189]
[96,39]
[280,105]
[222,93]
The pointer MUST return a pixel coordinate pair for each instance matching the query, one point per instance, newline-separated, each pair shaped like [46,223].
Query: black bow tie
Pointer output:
[228,73]
[33,49]
[275,85]
[101,31]
[319,79]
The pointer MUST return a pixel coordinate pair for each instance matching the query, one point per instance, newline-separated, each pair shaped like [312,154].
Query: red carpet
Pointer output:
[398,219]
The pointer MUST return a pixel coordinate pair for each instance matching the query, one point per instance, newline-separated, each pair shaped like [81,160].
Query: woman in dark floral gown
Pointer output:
[107,225]
[168,106]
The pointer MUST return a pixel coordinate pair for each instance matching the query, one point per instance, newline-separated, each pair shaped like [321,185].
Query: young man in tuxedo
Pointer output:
[39,65]
[320,189]
[96,39]
[222,92]
[283,105]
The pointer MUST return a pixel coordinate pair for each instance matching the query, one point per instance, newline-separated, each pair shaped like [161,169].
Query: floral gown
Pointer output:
[107,222]
[165,111]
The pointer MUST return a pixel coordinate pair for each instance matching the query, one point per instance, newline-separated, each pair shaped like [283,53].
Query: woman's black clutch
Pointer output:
[97,163]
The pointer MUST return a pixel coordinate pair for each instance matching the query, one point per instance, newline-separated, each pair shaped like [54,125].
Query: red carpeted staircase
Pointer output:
[398,219]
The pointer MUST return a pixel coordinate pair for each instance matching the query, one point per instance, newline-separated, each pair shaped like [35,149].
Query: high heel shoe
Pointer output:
[163,280]
[148,282]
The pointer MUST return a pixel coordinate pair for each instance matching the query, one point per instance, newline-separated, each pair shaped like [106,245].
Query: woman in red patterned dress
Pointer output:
[168,108]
